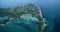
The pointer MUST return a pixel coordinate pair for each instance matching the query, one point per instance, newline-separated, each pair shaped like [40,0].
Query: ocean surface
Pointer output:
[50,10]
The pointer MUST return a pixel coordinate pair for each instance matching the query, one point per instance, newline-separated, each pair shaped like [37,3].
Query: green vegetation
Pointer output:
[18,11]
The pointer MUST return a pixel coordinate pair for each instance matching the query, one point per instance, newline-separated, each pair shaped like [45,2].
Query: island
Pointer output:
[28,12]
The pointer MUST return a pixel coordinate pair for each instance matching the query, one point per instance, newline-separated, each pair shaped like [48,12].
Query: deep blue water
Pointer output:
[50,9]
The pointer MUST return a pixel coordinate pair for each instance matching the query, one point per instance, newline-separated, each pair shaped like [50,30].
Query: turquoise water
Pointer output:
[50,10]
[22,25]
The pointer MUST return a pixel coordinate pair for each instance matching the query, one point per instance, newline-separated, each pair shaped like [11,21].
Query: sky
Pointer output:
[14,3]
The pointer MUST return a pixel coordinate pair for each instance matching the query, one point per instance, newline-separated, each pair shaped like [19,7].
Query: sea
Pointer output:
[50,10]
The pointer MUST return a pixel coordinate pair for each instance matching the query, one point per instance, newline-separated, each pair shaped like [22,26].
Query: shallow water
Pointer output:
[24,25]
[50,9]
